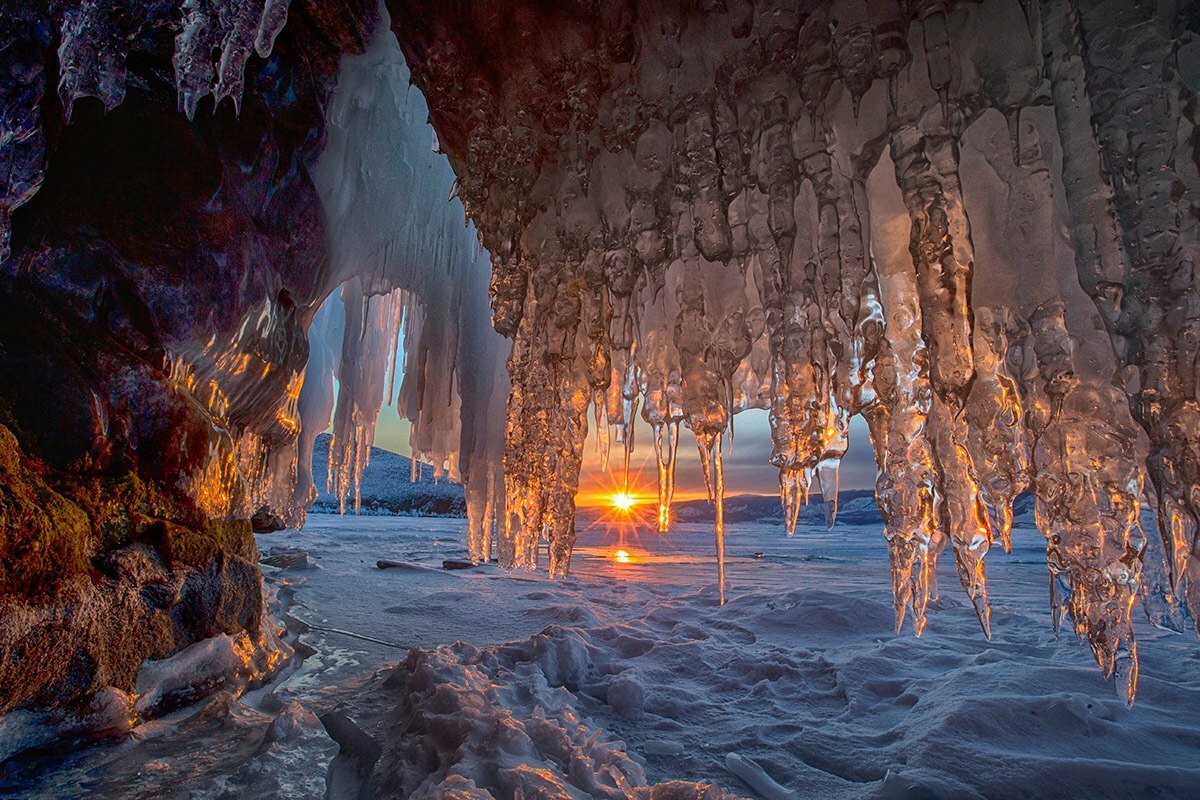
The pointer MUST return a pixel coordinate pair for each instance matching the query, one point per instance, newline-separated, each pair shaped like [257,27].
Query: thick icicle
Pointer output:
[906,488]
[1083,459]
[1148,155]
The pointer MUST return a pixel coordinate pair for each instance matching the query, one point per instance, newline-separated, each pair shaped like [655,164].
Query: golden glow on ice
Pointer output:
[621,557]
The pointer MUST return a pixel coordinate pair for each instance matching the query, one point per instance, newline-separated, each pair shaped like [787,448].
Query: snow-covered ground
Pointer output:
[798,674]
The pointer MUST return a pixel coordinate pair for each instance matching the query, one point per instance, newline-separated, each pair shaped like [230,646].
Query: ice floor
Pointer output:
[799,672]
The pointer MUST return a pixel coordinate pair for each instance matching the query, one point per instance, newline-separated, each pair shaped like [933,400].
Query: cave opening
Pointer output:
[642,399]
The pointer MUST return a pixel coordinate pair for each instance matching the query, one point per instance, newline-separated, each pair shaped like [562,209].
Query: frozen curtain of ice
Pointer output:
[974,223]
[411,323]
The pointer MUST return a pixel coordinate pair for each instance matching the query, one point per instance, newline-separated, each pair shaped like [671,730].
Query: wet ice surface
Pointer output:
[799,672]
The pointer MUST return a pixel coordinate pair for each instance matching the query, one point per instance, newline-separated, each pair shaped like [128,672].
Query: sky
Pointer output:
[747,467]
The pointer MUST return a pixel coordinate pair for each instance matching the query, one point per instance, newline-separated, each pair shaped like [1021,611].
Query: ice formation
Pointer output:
[934,214]
[973,223]
[413,286]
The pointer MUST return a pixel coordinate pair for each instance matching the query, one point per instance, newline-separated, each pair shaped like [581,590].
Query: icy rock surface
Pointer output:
[927,213]
[214,41]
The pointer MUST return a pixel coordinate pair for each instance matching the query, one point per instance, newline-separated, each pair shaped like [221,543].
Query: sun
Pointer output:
[623,501]
[624,508]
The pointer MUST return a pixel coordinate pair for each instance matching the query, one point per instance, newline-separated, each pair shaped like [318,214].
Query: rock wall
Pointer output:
[167,254]
[102,572]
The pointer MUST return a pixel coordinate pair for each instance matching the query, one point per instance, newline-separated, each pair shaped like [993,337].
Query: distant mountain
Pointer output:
[856,507]
[1023,509]
[388,488]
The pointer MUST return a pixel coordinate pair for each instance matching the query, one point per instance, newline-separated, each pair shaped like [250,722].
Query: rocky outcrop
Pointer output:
[167,254]
[98,574]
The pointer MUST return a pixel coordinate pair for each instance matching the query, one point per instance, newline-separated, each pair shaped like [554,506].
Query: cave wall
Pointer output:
[153,316]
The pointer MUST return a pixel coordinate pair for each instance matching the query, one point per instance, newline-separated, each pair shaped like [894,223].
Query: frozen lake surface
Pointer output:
[799,673]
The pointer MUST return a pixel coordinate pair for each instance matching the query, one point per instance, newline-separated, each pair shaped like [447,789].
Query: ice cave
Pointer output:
[599,399]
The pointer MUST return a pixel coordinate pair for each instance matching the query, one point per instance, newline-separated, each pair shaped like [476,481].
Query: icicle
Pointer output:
[274,17]
[91,55]
[232,31]
[719,516]
[631,406]
[1088,514]
[964,516]
[1044,389]
[793,494]
[665,460]
[828,475]
[1013,118]
[673,428]
[927,171]
[906,487]
[709,445]
[938,53]
[602,441]
[997,426]
[194,46]
[1133,249]
[394,346]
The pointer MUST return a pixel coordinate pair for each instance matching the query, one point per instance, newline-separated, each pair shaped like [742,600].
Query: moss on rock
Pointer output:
[99,572]
[43,535]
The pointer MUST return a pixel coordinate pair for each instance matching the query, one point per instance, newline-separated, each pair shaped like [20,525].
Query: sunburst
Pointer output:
[623,502]
[627,504]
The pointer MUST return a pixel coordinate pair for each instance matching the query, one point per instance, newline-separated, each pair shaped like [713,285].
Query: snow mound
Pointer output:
[479,723]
